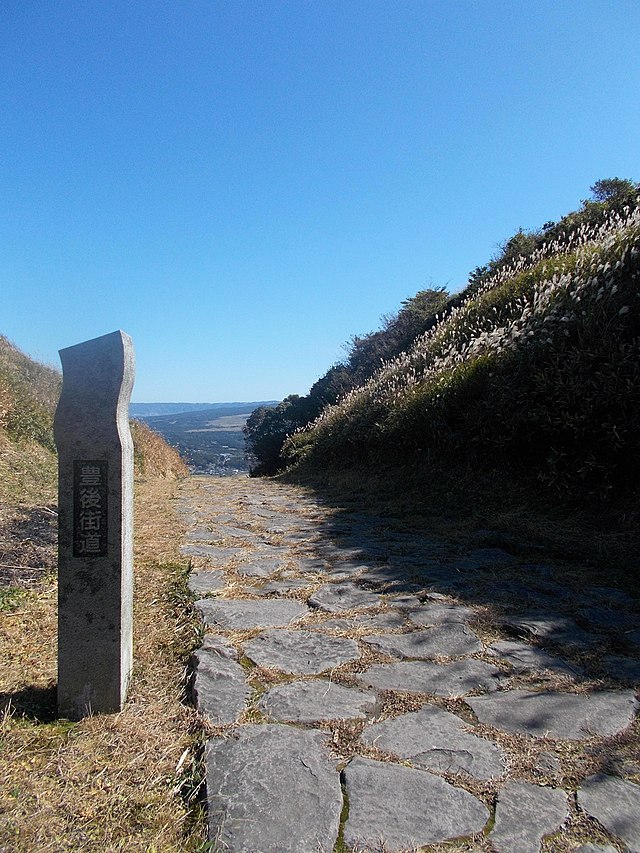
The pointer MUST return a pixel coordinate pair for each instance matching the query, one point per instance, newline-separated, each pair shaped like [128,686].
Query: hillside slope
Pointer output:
[537,370]
[29,393]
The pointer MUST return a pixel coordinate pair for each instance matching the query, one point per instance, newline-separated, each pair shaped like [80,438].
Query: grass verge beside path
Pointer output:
[112,782]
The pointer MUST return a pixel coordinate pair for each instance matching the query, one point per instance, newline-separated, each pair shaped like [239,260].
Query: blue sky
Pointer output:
[242,186]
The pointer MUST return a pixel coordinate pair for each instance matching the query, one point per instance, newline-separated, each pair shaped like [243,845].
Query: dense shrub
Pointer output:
[538,368]
[268,428]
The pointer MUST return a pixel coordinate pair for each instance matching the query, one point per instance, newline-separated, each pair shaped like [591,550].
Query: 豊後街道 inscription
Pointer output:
[90,519]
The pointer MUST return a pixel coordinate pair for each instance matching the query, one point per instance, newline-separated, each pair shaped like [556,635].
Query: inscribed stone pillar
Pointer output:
[95,548]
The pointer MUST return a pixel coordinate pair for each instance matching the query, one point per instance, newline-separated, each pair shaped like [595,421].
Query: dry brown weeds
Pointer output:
[115,782]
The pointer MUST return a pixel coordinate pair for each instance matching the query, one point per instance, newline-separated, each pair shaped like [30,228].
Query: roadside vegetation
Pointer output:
[127,781]
[524,387]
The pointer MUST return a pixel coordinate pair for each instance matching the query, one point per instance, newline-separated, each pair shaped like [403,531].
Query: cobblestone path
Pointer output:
[370,688]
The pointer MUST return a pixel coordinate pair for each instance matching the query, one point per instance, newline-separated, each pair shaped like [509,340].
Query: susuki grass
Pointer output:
[539,367]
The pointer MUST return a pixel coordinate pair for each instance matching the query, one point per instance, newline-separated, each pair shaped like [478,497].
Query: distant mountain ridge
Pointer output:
[151,410]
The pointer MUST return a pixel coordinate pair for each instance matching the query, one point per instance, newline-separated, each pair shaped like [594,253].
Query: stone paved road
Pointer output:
[368,688]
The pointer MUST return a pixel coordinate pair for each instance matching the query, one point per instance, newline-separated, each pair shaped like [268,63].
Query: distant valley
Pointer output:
[208,436]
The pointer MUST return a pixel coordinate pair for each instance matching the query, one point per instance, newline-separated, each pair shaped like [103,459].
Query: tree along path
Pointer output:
[368,687]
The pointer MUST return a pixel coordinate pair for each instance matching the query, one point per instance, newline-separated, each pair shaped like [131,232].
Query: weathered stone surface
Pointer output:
[524,815]
[616,804]
[437,614]
[272,789]
[336,597]
[547,763]
[223,648]
[404,602]
[308,701]
[203,535]
[260,567]
[610,595]
[95,526]
[282,586]
[227,531]
[379,621]
[366,621]
[554,628]
[609,618]
[526,658]
[448,640]
[623,668]
[434,739]
[219,686]
[557,715]
[209,552]
[240,615]
[402,808]
[300,652]
[595,848]
[449,679]
[203,582]
[310,564]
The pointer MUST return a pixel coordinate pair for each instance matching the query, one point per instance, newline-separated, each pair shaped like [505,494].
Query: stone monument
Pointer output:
[95,547]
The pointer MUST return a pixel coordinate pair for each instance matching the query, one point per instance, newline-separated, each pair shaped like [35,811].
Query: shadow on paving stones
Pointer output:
[38,704]
[555,630]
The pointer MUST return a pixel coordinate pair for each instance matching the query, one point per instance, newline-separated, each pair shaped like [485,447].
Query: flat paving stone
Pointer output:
[556,715]
[595,848]
[608,618]
[310,564]
[272,788]
[219,687]
[397,808]
[310,701]
[448,640]
[226,531]
[203,582]
[615,803]
[242,615]
[210,552]
[525,813]
[550,627]
[622,668]
[379,621]
[447,679]
[404,602]
[282,586]
[610,595]
[434,739]
[430,615]
[525,658]
[300,652]
[261,567]
[336,597]
[202,534]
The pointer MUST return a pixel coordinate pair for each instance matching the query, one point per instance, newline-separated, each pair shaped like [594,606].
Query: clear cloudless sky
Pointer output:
[242,185]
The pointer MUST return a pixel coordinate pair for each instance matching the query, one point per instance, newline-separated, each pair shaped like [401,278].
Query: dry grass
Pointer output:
[115,782]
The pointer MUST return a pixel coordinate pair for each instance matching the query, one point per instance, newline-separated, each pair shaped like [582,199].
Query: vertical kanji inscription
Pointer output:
[90,507]
[95,526]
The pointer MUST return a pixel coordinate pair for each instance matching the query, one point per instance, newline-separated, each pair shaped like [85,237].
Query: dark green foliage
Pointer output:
[268,427]
[550,395]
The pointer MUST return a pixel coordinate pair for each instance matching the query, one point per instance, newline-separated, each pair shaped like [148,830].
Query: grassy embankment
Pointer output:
[518,411]
[115,782]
